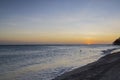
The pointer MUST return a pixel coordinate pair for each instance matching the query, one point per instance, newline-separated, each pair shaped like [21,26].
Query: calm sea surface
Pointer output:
[46,62]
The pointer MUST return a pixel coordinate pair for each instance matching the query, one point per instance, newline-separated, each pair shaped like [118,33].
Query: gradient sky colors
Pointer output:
[59,21]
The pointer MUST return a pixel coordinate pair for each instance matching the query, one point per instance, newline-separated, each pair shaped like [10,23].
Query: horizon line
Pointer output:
[49,44]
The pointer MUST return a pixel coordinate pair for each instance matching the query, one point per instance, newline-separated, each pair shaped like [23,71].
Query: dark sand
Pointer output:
[106,68]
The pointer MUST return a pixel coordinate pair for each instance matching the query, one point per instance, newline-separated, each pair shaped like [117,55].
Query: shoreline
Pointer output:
[105,68]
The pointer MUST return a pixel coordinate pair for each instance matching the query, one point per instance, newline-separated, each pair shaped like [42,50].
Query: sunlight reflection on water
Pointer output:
[45,63]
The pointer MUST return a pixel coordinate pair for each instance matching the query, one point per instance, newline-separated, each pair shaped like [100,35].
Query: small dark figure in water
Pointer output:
[117,41]
[80,50]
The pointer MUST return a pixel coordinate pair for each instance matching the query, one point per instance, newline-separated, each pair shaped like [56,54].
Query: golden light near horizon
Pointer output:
[60,39]
[65,22]
[89,41]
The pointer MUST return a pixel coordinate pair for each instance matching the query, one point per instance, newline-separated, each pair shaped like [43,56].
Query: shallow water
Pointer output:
[45,62]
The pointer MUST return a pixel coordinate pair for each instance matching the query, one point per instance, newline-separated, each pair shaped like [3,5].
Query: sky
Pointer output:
[59,21]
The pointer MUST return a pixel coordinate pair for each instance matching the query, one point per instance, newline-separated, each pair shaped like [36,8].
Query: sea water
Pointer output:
[45,62]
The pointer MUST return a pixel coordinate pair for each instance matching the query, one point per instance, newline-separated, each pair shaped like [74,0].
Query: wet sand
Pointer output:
[106,68]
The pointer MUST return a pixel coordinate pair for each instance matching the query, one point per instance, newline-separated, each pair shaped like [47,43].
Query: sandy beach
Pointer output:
[106,68]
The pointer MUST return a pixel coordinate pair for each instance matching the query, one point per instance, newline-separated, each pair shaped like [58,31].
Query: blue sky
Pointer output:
[59,21]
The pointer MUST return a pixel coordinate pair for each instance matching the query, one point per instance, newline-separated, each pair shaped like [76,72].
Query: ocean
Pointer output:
[45,62]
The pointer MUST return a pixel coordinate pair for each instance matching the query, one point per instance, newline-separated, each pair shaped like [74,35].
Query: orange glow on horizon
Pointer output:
[89,41]
[62,39]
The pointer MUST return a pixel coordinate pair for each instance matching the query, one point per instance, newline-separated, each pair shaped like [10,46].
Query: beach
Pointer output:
[59,39]
[28,62]
[106,68]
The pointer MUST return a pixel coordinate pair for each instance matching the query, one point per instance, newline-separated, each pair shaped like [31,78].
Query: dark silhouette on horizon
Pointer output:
[117,41]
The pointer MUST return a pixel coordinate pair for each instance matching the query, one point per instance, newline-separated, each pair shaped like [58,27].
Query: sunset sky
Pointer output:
[59,21]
